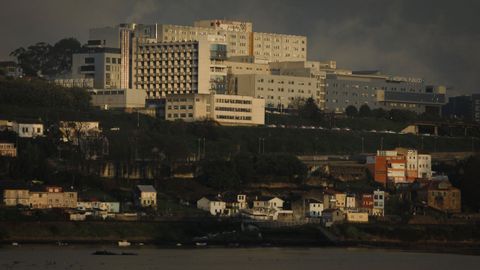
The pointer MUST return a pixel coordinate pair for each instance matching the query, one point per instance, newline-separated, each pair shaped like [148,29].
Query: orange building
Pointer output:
[8,150]
[399,166]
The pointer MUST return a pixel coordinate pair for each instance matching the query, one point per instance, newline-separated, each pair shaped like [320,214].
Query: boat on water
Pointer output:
[108,253]
[104,252]
[200,244]
[15,244]
[124,243]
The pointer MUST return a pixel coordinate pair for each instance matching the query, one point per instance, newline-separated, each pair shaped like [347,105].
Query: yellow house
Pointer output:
[16,196]
[357,217]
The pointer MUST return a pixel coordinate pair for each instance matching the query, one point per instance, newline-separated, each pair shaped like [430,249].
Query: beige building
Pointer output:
[28,129]
[16,196]
[224,109]
[8,149]
[146,196]
[279,91]
[118,98]
[357,217]
[239,37]
[52,197]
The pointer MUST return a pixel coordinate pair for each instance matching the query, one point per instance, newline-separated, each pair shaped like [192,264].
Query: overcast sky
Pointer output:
[436,40]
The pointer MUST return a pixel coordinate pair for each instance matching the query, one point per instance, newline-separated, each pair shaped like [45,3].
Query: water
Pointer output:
[79,257]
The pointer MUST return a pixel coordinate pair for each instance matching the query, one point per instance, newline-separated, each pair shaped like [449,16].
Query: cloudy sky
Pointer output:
[434,39]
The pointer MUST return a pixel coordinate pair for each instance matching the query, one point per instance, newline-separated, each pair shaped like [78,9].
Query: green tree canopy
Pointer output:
[44,59]
[364,111]
[351,111]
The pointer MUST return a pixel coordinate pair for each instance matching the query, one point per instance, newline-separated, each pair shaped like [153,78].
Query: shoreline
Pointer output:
[459,248]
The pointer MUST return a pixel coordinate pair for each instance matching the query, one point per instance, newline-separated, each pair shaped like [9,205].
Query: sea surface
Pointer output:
[40,257]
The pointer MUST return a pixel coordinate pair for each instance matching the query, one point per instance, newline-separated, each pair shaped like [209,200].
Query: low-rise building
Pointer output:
[8,149]
[378,203]
[11,69]
[224,109]
[14,196]
[442,196]
[332,216]
[268,202]
[109,207]
[124,98]
[145,196]
[52,197]
[357,217]
[367,203]
[236,203]
[351,201]
[28,129]
[314,208]
[212,204]
[341,199]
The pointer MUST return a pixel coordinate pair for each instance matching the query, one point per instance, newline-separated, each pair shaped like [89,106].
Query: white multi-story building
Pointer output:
[315,208]
[279,91]
[28,129]
[378,203]
[103,65]
[224,109]
[424,166]
[190,67]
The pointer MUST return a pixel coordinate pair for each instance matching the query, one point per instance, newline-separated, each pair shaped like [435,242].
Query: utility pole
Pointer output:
[363,145]
[381,143]
[422,143]
[198,149]
[138,119]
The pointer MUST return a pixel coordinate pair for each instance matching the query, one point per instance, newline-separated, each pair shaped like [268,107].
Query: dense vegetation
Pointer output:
[231,155]
[42,59]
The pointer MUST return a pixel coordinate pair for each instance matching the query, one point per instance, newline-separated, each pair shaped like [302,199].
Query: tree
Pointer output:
[351,111]
[219,174]
[310,110]
[364,111]
[379,113]
[401,115]
[44,59]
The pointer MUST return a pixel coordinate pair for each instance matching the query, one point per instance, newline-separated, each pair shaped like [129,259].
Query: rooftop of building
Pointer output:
[146,188]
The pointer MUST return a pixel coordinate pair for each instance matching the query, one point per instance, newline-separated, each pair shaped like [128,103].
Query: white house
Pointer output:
[28,129]
[351,201]
[379,203]
[214,205]
[315,208]
[146,196]
[268,202]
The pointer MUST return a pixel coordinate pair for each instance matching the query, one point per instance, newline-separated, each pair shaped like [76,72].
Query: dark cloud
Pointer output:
[434,39]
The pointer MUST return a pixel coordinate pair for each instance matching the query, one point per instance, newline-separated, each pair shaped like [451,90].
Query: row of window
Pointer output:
[233,101]
[233,109]
[234,117]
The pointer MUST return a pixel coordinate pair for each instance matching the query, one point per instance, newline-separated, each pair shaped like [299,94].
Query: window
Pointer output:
[89,60]
[107,60]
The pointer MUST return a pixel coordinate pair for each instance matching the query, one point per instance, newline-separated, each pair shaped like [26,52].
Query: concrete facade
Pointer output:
[179,68]
[381,91]
[28,130]
[118,98]
[103,65]
[8,149]
[224,109]
[280,92]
